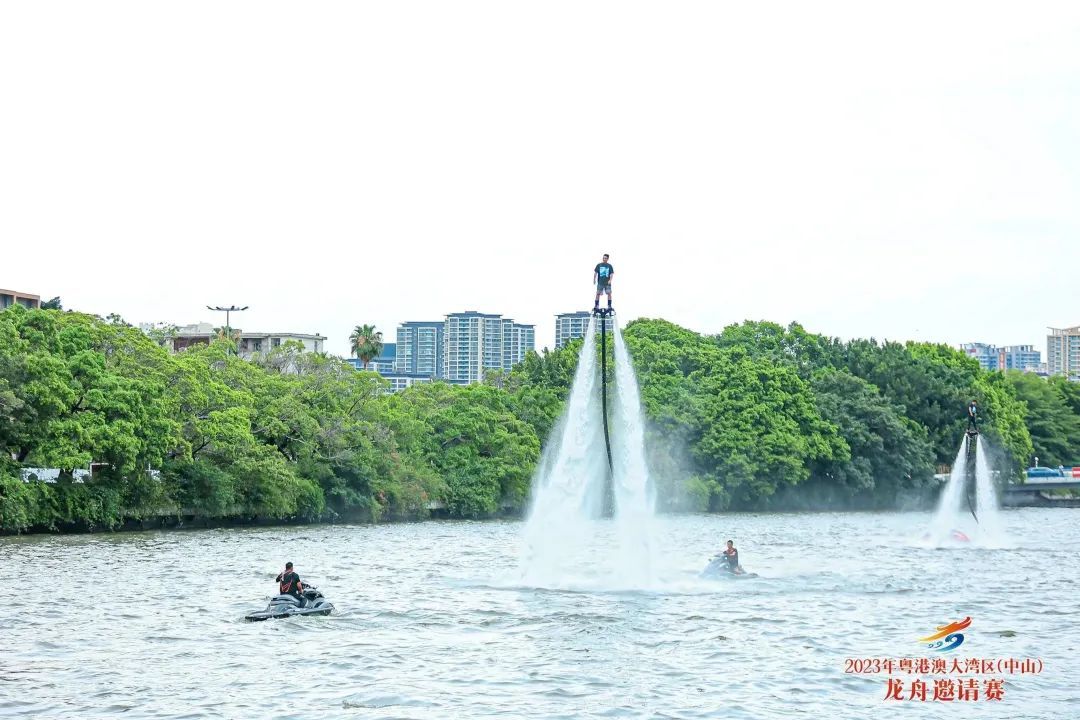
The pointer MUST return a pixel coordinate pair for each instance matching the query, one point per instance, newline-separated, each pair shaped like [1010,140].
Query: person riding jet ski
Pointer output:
[289,583]
[731,555]
[294,598]
[726,564]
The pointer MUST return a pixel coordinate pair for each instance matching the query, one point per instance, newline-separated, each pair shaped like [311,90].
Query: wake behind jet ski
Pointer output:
[718,569]
[289,605]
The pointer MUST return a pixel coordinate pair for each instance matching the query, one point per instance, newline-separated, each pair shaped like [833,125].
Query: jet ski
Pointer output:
[288,606]
[718,569]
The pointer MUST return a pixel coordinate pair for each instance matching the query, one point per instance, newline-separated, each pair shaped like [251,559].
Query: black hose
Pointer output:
[603,388]
[971,477]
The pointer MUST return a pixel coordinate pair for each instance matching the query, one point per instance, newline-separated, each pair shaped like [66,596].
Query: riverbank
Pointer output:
[103,519]
[191,521]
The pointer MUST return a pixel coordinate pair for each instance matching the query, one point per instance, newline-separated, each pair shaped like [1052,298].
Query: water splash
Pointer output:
[634,494]
[954,522]
[947,518]
[566,494]
[567,541]
[987,504]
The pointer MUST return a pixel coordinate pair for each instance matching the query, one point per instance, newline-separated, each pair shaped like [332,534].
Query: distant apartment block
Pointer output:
[13,297]
[420,348]
[1019,357]
[985,354]
[475,342]
[462,347]
[1010,357]
[518,340]
[1063,352]
[248,344]
[571,326]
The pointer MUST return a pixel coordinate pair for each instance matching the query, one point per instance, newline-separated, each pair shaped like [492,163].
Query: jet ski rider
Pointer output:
[732,556]
[289,583]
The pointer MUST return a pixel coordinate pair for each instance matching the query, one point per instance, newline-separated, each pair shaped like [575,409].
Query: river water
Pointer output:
[433,622]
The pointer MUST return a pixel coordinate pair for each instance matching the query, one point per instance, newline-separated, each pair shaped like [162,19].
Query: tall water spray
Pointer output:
[634,496]
[566,494]
[986,495]
[952,497]
[565,534]
[981,521]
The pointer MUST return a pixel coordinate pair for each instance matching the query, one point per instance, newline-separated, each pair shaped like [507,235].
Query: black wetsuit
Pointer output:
[973,417]
[289,584]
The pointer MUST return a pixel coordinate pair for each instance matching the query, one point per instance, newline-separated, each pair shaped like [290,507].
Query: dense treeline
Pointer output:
[763,416]
[295,435]
[759,416]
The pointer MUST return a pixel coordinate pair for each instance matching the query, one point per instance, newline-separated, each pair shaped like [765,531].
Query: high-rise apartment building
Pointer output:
[570,326]
[420,348]
[1010,357]
[1063,352]
[475,342]
[518,340]
[987,355]
[1019,357]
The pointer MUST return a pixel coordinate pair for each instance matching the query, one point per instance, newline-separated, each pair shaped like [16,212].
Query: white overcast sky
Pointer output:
[895,170]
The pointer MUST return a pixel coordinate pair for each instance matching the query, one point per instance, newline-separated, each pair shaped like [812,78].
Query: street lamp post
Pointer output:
[227,310]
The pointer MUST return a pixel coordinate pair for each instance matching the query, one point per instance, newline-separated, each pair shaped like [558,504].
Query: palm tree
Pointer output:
[366,343]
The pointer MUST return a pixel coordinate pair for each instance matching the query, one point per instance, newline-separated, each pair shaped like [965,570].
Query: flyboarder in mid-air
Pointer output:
[973,416]
[602,275]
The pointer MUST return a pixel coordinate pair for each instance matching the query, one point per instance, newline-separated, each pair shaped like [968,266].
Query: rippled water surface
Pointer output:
[433,622]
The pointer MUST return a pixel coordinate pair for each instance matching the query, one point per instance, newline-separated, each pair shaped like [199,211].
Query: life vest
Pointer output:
[285,587]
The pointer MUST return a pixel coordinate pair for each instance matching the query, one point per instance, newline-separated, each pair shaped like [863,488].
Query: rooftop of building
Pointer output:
[208,329]
[18,293]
